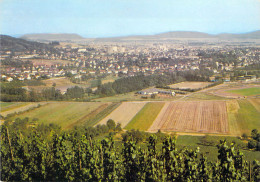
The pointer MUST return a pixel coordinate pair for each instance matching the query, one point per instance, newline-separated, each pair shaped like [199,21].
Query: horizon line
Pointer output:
[128,35]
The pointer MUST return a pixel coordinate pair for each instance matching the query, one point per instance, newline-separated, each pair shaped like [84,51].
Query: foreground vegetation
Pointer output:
[45,153]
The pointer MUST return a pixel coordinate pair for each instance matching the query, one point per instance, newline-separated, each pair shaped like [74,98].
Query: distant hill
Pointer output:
[162,36]
[17,44]
[250,35]
[52,37]
[185,35]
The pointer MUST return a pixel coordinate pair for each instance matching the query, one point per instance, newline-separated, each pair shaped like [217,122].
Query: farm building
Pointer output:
[148,91]
[155,91]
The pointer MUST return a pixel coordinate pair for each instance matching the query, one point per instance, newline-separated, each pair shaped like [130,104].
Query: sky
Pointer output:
[110,18]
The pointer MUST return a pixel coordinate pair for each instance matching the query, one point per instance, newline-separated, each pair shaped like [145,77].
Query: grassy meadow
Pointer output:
[247,117]
[144,118]
[246,91]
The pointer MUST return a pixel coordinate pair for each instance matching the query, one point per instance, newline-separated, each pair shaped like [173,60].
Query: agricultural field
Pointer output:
[234,90]
[109,79]
[5,104]
[48,62]
[144,118]
[132,96]
[246,91]
[96,115]
[190,85]
[192,116]
[232,109]
[65,114]
[62,83]
[200,96]
[124,113]
[247,116]
[16,107]
[255,103]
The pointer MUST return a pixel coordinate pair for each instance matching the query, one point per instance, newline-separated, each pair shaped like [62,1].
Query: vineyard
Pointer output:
[192,116]
[41,156]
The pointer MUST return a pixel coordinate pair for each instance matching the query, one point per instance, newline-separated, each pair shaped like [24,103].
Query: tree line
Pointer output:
[136,83]
[15,92]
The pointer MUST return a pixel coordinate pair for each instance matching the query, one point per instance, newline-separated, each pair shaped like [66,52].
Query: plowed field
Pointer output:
[192,116]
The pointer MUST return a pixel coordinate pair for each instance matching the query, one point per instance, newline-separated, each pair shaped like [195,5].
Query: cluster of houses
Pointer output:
[35,72]
[125,59]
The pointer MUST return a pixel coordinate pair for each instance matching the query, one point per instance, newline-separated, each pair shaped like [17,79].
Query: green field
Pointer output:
[248,117]
[5,104]
[246,91]
[62,113]
[232,110]
[211,152]
[144,118]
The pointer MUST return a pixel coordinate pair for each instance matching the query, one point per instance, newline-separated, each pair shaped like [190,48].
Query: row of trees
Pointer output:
[14,91]
[140,82]
[17,93]
[66,156]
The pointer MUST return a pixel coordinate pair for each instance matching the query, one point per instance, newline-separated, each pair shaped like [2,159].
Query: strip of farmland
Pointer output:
[61,113]
[192,116]
[96,115]
[124,113]
[144,119]
[20,107]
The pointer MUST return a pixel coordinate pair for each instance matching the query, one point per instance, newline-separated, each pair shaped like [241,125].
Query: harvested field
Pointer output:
[144,118]
[96,115]
[48,62]
[192,116]
[255,103]
[61,113]
[124,113]
[190,85]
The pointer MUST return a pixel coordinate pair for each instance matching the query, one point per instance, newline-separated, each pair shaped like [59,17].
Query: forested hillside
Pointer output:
[17,44]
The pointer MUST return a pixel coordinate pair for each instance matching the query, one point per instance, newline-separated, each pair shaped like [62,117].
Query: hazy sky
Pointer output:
[103,18]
